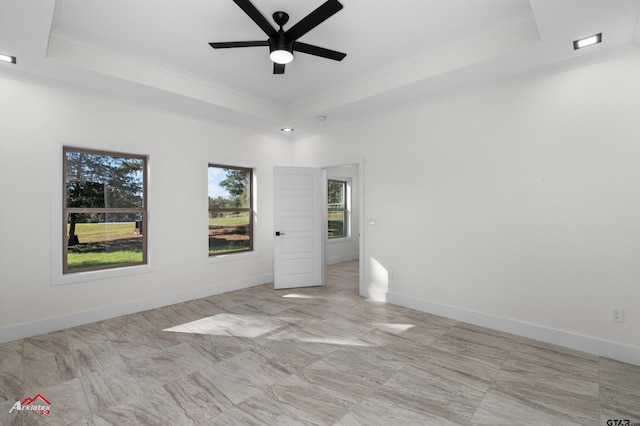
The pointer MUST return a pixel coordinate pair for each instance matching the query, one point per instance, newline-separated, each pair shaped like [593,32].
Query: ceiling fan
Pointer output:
[283,43]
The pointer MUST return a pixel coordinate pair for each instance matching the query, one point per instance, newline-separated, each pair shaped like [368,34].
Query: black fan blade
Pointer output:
[318,51]
[278,68]
[312,20]
[229,44]
[257,17]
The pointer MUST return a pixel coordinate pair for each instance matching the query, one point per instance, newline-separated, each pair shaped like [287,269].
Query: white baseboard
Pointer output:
[344,258]
[376,294]
[62,322]
[591,345]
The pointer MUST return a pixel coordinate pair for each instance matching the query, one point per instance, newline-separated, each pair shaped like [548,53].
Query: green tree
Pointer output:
[98,181]
[218,203]
[237,185]
[335,190]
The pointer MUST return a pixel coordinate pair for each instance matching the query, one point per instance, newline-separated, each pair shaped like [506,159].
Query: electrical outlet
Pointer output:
[616,314]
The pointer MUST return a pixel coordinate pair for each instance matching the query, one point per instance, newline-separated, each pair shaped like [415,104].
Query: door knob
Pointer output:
[278,233]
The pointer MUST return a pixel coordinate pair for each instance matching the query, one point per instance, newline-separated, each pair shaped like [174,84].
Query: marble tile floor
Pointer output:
[310,356]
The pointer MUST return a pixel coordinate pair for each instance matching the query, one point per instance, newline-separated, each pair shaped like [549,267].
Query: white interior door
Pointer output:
[298,211]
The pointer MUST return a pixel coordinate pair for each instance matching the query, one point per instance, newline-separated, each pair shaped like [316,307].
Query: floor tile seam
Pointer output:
[632,417]
[554,366]
[540,407]
[575,399]
[550,373]
[432,340]
[141,384]
[434,415]
[46,391]
[400,358]
[173,398]
[381,330]
[39,354]
[463,354]
[143,395]
[374,385]
[85,391]
[493,379]
[241,405]
[411,407]
[20,368]
[481,381]
[339,400]
[601,406]
[506,357]
[20,391]
[335,348]
[626,390]
[431,345]
[600,387]
[217,389]
[519,342]
[475,411]
[469,340]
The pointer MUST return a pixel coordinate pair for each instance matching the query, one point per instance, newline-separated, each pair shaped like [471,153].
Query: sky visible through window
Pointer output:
[216,175]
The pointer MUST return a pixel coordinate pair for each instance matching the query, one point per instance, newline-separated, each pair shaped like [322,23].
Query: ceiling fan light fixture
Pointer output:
[281,56]
[281,49]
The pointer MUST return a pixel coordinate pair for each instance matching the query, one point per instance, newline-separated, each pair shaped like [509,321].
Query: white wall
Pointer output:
[517,207]
[33,122]
[343,249]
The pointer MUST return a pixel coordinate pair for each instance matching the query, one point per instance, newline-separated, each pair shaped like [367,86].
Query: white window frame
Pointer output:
[231,257]
[57,193]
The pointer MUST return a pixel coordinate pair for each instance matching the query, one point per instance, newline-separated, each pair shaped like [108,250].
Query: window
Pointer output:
[339,204]
[231,209]
[104,210]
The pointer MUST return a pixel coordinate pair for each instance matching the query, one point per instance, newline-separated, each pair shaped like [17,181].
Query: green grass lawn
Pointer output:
[229,234]
[93,259]
[229,221]
[98,232]
[232,246]
[104,244]
[336,225]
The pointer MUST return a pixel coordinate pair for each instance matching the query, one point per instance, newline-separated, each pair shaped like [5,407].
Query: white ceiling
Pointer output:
[399,53]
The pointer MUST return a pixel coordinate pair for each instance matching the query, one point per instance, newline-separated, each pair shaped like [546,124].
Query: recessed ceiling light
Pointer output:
[287,129]
[587,41]
[7,58]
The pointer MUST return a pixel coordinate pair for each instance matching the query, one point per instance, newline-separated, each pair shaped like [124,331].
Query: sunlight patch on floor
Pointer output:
[253,326]
[299,296]
[326,340]
[228,325]
[392,328]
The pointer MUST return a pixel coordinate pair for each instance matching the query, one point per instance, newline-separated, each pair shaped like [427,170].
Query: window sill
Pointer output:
[222,258]
[78,277]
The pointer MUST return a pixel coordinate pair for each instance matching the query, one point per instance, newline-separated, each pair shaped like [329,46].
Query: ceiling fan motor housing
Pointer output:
[280,42]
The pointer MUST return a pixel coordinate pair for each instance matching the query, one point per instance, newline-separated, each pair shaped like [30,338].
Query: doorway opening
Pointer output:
[343,240]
